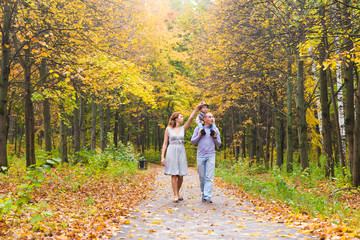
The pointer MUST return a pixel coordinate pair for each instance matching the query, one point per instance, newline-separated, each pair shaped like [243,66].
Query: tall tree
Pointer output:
[289,115]
[46,109]
[301,111]
[9,8]
[26,63]
[348,66]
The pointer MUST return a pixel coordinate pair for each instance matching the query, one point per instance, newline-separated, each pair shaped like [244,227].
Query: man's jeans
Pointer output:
[206,169]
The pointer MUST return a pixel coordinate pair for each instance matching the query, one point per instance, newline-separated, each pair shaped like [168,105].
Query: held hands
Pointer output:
[202,133]
[214,136]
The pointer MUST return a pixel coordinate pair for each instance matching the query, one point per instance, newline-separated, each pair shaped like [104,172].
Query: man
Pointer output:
[206,155]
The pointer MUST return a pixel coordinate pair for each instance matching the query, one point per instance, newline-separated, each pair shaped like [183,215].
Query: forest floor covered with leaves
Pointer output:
[95,200]
[86,200]
[324,208]
[69,206]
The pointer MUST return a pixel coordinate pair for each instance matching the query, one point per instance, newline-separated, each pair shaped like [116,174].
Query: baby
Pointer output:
[200,120]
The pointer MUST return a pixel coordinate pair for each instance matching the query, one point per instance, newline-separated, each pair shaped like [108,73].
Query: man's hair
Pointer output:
[205,114]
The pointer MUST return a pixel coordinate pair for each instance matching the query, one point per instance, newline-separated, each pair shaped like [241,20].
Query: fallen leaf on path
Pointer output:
[157,222]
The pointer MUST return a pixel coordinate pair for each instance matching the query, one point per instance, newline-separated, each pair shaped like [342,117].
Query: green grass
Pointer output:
[115,164]
[307,191]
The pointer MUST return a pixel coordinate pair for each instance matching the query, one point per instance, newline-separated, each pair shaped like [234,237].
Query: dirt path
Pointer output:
[226,218]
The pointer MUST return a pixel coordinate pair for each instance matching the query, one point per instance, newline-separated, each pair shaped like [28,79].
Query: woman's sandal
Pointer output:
[181,199]
[176,201]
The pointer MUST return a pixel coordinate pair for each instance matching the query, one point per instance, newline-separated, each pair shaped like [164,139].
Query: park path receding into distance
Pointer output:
[227,217]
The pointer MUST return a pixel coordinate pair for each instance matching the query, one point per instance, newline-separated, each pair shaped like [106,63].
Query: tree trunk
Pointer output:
[278,136]
[243,144]
[252,143]
[16,133]
[256,143]
[83,121]
[279,153]
[318,148]
[325,111]
[260,145]
[63,136]
[4,82]
[76,126]
[356,160]
[47,125]
[93,124]
[289,116]
[267,154]
[340,101]
[9,116]
[102,127]
[240,138]
[121,128]
[301,111]
[46,110]
[337,124]
[233,133]
[272,152]
[348,66]
[20,143]
[148,135]
[107,124]
[224,142]
[11,132]
[138,130]
[116,127]
[29,111]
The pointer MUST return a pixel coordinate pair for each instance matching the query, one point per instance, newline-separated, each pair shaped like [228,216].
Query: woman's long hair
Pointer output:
[172,120]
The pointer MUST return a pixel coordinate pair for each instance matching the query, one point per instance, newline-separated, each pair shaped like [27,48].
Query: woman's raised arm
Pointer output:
[188,122]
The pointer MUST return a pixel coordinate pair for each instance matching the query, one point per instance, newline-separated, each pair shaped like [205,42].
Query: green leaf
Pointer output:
[21,193]
[47,167]
[50,161]
[48,214]
[36,218]
[57,160]
[25,185]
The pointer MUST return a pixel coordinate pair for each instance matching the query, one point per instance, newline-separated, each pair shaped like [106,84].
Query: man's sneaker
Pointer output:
[212,133]
[206,200]
[203,132]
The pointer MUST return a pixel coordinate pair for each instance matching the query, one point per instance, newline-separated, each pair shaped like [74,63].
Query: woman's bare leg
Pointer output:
[179,182]
[174,185]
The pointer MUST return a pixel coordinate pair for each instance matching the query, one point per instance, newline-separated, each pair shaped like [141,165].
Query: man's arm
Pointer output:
[217,139]
[195,137]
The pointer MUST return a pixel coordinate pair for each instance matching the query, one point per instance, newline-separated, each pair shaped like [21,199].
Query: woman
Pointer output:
[175,162]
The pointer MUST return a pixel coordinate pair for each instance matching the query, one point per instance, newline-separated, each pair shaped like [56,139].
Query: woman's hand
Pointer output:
[187,124]
[199,106]
[163,161]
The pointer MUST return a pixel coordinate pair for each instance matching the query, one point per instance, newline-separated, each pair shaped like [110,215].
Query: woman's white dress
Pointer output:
[175,160]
